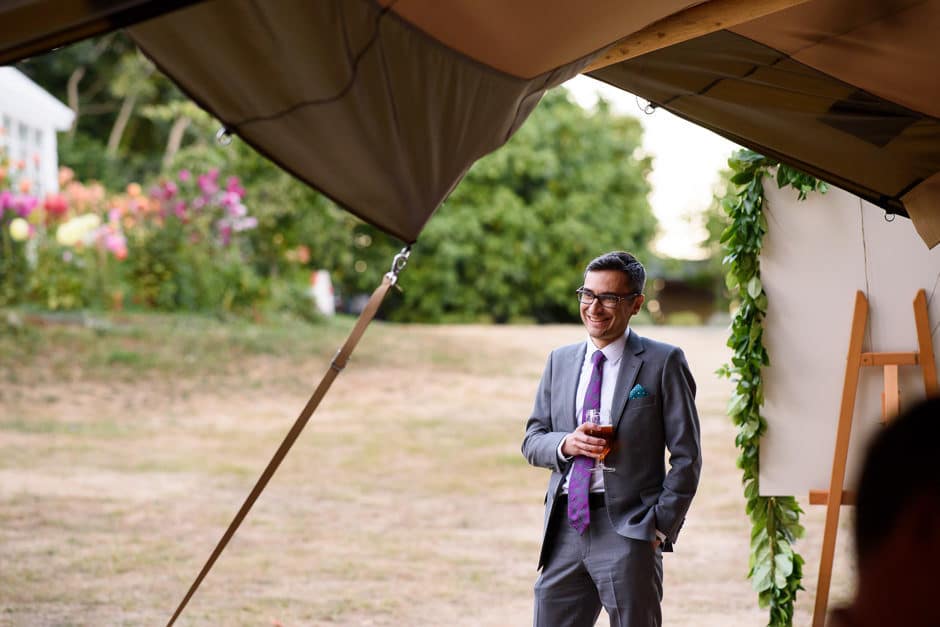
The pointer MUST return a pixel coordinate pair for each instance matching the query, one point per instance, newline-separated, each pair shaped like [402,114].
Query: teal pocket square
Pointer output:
[638,391]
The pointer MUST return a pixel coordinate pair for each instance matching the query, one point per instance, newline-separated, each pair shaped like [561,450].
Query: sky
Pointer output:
[686,163]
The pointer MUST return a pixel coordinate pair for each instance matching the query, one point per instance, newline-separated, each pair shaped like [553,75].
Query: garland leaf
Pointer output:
[775,569]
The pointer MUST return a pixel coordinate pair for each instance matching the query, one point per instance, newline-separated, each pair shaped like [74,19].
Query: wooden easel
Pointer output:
[890,405]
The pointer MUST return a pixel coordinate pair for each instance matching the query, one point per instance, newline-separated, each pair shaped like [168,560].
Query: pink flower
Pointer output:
[116,244]
[169,189]
[24,204]
[179,209]
[225,234]
[232,202]
[207,184]
[234,185]
[185,176]
[244,224]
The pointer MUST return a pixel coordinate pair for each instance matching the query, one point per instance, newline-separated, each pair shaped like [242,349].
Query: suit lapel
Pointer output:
[629,370]
[572,374]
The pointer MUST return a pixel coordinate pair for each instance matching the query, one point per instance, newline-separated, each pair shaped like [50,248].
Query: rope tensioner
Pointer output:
[398,264]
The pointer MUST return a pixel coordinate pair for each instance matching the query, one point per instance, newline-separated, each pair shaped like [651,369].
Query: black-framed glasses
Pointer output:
[587,297]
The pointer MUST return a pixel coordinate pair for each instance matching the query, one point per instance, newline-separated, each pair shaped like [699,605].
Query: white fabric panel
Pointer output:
[815,257]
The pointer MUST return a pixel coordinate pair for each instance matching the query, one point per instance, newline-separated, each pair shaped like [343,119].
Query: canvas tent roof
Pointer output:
[384,104]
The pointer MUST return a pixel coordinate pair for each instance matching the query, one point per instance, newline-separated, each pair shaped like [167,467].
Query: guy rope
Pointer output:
[336,366]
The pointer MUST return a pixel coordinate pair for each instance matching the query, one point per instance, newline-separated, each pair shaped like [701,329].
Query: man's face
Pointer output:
[603,324]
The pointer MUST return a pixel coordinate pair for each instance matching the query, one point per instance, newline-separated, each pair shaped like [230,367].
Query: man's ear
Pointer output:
[637,304]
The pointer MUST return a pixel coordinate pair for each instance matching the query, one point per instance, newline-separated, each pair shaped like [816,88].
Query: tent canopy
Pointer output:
[383,105]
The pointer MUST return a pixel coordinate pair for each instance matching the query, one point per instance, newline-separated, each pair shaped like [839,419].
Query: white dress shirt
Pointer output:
[610,369]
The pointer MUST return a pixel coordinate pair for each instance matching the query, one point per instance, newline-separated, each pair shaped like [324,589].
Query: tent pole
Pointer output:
[336,366]
[693,22]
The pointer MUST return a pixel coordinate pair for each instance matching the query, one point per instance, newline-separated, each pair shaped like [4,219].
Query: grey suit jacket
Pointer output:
[641,496]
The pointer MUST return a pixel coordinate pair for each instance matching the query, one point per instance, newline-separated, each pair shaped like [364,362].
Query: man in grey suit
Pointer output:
[605,532]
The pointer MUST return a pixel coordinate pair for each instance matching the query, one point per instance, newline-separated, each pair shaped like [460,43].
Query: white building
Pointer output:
[30,117]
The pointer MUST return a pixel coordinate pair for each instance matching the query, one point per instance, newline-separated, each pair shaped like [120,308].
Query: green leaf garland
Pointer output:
[776,570]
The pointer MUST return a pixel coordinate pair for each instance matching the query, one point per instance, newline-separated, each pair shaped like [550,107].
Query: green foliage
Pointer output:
[64,279]
[189,252]
[14,268]
[514,236]
[508,244]
[182,246]
[98,78]
[293,299]
[89,159]
[775,569]
[298,229]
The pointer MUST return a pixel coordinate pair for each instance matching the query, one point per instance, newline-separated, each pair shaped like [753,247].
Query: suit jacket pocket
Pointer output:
[640,403]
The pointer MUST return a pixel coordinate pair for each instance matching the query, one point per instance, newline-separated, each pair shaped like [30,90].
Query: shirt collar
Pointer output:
[612,352]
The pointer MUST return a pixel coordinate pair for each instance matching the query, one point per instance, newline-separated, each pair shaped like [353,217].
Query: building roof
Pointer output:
[26,101]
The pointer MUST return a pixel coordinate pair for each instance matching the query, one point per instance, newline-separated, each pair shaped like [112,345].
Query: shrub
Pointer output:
[182,245]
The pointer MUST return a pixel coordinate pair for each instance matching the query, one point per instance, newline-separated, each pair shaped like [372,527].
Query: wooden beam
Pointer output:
[889,359]
[821,497]
[693,22]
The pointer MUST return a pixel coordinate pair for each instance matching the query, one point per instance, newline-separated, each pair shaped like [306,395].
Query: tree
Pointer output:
[107,82]
[509,243]
[514,236]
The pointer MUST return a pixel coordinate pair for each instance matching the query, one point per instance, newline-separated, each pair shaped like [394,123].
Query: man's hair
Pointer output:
[622,262]
[900,469]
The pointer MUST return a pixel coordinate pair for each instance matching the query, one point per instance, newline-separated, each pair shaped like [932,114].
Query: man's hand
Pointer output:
[581,442]
[656,543]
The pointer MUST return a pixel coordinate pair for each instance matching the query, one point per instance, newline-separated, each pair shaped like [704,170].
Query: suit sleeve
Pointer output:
[540,444]
[683,440]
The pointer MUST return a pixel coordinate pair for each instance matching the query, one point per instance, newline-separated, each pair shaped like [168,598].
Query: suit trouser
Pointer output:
[582,573]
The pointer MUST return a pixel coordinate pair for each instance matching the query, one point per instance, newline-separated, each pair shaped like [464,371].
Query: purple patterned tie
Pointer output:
[580,480]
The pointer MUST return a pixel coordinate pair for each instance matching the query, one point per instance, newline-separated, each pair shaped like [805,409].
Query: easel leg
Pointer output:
[843,433]
[928,366]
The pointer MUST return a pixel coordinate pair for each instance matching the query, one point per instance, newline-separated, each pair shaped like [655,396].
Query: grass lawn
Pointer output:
[127,445]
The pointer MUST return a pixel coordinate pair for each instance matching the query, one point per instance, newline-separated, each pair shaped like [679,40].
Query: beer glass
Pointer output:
[601,431]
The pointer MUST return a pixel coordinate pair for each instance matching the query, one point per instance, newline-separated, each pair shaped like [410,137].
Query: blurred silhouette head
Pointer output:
[897,524]
[901,474]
